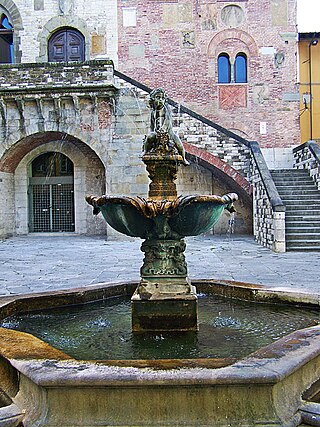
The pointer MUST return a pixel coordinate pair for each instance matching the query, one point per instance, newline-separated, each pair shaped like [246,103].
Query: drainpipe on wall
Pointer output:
[312,43]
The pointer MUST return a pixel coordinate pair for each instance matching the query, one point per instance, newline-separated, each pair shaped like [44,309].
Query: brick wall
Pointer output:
[175,45]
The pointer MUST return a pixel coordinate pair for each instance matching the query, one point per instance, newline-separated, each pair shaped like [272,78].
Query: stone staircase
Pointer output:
[302,200]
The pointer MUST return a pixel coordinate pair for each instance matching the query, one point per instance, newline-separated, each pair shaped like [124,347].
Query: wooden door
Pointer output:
[66,45]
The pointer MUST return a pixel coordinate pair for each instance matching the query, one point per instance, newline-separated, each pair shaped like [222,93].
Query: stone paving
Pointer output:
[38,263]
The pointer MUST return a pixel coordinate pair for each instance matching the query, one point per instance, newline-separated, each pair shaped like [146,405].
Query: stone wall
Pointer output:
[201,135]
[34,22]
[100,125]
[307,156]
[7,205]
[268,209]
[38,114]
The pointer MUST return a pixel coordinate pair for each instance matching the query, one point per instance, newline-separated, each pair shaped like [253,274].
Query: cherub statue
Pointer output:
[161,123]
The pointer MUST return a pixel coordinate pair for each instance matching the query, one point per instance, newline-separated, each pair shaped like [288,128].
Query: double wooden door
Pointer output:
[66,45]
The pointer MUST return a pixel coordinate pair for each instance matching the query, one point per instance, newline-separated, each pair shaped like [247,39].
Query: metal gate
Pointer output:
[51,202]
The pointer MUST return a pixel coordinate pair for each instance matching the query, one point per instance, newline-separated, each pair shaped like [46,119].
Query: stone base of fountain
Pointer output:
[164,305]
[164,300]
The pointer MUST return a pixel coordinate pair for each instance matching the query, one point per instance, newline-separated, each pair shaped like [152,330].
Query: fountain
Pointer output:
[165,298]
[43,386]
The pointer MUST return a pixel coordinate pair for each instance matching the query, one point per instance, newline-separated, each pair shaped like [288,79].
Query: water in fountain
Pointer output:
[228,328]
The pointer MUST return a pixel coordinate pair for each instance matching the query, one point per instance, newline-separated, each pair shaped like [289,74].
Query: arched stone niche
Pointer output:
[54,24]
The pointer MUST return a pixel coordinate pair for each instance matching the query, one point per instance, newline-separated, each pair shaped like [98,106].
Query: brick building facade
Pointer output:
[176,44]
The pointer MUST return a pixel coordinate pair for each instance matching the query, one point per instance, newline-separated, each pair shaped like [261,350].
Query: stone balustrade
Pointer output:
[268,208]
[307,156]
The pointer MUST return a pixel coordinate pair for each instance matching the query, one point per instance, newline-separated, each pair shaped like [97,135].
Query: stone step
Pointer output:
[298,184]
[279,177]
[291,236]
[301,207]
[305,245]
[288,171]
[294,182]
[294,191]
[301,198]
[304,198]
[301,202]
[303,213]
[296,219]
[303,177]
[302,229]
[302,249]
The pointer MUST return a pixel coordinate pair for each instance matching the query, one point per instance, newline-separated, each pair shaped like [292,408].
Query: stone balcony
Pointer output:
[55,77]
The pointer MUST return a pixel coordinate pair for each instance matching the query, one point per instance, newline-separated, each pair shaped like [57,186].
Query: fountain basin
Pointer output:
[176,217]
[263,389]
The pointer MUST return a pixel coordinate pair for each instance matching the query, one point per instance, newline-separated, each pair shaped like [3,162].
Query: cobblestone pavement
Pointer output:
[37,263]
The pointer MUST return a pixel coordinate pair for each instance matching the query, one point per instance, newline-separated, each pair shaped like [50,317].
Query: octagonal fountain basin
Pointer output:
[64,377]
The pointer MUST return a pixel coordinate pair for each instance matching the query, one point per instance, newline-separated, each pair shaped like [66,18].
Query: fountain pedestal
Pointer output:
[165,299]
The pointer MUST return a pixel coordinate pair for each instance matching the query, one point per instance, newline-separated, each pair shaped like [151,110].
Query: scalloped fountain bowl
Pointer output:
[162,219]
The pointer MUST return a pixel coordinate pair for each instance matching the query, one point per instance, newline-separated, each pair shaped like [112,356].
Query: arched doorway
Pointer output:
[66,45]
[51,194]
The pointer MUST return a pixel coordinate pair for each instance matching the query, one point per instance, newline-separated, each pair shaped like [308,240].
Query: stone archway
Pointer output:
[218,177]
[235,34]
[89,177]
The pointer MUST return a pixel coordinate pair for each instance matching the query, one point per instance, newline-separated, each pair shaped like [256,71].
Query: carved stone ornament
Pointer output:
[163,258]
[232,16]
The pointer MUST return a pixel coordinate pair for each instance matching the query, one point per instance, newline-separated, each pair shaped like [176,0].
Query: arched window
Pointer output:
[66,45]
[240,68]
[6,40]
[224,69]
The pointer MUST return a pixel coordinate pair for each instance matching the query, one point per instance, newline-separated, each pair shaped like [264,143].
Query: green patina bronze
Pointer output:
[164,299]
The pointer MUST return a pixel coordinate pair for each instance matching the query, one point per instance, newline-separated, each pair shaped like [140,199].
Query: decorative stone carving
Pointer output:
[260,93]
[279,59]
[232,15]
[188,39]
[66,6]
[164,258]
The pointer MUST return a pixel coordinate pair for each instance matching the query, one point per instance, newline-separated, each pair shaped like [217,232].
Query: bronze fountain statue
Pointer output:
[164,299]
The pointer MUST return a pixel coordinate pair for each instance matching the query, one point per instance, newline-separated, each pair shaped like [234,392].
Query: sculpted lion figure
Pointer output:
[161,123]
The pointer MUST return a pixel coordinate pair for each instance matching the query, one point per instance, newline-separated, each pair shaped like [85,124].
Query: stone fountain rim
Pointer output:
[49,367]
